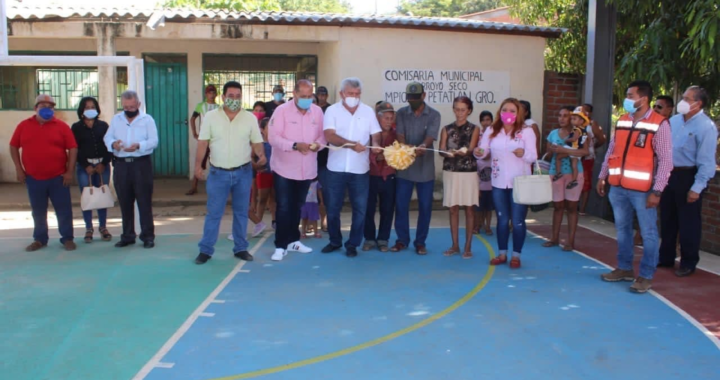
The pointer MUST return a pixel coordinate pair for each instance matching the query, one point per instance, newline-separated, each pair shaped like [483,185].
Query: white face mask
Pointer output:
[352,102]
[684,107]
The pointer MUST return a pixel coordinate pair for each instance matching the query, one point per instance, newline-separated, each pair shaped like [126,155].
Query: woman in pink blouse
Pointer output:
[511,150]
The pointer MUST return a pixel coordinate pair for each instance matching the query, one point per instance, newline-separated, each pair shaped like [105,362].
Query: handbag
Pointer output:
[534,189]
[97,198]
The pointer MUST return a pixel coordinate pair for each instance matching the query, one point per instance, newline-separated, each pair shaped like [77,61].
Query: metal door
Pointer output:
[166,97]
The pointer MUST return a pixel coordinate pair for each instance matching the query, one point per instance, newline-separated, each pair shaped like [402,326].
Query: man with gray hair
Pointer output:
[350,125]
[132,138]
[694,140]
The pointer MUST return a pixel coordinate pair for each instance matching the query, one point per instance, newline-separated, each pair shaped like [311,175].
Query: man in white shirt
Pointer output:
[348,124]
[132,138]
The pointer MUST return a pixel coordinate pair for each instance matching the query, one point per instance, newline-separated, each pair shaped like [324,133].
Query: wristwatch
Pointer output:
[657,193]
[295,146]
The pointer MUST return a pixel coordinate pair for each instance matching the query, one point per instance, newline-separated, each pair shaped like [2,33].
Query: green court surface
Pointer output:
[99,312]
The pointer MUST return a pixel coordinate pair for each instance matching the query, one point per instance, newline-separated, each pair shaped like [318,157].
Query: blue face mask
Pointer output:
[304,103]
[90,114]
[278,96]
[629,105]
[46,113]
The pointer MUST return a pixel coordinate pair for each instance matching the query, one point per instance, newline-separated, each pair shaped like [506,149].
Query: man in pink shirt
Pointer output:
[295,134]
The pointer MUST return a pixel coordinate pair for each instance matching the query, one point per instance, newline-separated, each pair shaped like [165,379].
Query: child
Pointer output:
[579,121]
[310,212]
[483,216]
[264,178]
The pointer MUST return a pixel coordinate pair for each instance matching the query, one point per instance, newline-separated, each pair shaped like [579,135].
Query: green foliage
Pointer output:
[446,8]
[325,6]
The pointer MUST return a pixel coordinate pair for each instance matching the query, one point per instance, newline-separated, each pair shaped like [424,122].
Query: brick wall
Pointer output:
[711,217]
[559,90]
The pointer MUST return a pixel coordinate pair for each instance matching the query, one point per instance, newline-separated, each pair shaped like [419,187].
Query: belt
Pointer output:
[230,169]
[684,168]
[94,161]
[132,159]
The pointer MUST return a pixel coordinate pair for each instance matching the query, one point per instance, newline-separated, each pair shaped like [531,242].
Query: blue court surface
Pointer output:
[402,316]
[100,313]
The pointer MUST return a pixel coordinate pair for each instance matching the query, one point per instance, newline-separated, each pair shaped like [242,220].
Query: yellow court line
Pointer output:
[383,339]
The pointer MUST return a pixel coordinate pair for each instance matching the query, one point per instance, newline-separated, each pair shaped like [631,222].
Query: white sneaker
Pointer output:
[278,255]
[230,237]
[298,247]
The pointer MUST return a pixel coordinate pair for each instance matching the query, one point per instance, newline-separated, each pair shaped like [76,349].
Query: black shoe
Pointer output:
[202,258]
[330,248]
[149,244]
[684,272]
[666,265]
[351,252]
[123,244]
[244,255]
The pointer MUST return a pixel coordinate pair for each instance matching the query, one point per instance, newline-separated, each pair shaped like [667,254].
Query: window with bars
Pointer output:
[258,74]
[20,85]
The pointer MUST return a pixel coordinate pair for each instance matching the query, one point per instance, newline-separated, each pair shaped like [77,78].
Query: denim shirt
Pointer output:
[694,144]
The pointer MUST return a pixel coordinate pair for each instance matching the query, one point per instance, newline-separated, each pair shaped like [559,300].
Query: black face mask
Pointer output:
[131,114]
[415,104]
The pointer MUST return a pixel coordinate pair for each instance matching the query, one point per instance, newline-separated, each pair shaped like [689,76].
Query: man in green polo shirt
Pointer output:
[202,108]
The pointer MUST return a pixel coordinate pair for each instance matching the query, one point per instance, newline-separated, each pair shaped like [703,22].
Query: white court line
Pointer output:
[677,259]
[664,300]
[218,301]
[165,365]
[208,315]
[145,370]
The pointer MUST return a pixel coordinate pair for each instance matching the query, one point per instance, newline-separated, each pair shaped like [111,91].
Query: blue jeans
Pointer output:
[385,190]
[625,203]
[334,193]
[403,193]
[290,196]
[39,191]
[505,208]
[84,181]
[220,184]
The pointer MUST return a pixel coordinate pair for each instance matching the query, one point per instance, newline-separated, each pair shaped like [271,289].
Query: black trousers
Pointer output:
[677,215]
[290,196]
[134,182]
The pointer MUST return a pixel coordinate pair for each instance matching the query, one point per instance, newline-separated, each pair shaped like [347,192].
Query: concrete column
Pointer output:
[195,95]
[107,75]
[602,21]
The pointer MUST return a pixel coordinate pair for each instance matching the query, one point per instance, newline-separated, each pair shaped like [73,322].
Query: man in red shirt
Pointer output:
[46,169]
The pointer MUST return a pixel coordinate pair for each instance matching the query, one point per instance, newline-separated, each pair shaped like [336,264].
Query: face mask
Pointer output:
[131,114]
[90,114]
[46,113]
[684,107]
[233,104]
[508,117]
[352,102]
[629,105]
[278,96]
[415,104]
[304,103]
[259,115]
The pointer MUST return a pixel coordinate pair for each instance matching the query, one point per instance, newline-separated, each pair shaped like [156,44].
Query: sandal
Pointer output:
[568,248]
[557,177]
[383,248]
[488,231]
[467,255]
[498,260]
[451,252]
[368,246]
[476,231]
[515,263]
[191,192]
[89,235]
[549,244]
[421,250]
[318,235]
[105,234]
[398,247]
[303,236]
[571,185]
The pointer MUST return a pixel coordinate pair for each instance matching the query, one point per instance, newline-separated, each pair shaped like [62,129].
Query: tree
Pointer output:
[325,6]
[667,42]
[446,8]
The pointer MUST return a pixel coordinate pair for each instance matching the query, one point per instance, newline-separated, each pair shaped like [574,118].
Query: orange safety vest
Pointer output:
[632,162]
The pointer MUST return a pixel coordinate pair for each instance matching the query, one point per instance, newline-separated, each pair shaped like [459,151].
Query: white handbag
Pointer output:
[97,198]
[534,189]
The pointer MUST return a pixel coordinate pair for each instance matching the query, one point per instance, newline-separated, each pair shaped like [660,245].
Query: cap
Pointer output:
[44,98]
[414,90]
[278,88]
[384,107]
[322,90]
[210,87]
[580,112]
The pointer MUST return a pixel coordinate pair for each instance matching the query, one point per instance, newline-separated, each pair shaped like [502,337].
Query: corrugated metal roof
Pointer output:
[19,12]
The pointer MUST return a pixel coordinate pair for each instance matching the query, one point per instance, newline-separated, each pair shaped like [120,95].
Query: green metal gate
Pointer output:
[166,97]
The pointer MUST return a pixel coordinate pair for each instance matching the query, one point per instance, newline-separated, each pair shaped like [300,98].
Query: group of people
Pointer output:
[302,156]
